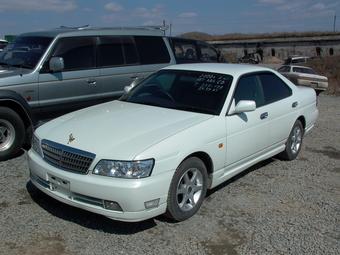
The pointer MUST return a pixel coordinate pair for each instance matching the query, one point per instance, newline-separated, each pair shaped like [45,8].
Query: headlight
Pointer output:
[36,145]
[124,169]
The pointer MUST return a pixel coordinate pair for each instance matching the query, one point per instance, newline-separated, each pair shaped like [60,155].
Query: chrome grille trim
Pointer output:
[67,158]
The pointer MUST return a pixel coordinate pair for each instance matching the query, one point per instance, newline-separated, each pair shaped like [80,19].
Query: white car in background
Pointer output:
[305,76]
[181,131]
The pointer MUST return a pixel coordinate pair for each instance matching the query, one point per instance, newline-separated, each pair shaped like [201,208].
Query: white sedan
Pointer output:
[181,131]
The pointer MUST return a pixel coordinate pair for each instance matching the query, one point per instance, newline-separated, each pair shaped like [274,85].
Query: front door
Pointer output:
[76,86]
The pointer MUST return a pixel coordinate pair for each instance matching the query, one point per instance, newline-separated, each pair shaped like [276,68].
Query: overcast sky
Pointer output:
[214,16]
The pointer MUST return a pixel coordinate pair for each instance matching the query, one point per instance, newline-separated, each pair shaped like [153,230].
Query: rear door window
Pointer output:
[152,50]
[110,51]
[274,88]
[78,52]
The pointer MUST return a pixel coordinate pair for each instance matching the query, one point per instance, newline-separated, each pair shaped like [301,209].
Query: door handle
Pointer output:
[92,82]
[264,115]
[295,104]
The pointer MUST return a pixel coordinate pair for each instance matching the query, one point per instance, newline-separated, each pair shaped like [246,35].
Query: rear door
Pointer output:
[74,87]
[122,59]
[282,106]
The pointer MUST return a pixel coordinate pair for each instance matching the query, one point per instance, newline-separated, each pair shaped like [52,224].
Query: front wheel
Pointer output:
[294,142]
[187,190]
[12,133]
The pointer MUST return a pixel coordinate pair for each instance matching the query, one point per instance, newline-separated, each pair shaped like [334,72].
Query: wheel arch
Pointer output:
[302,119]
[206,159]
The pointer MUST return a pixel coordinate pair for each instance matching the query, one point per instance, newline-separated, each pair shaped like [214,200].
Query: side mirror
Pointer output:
[245,106]
[133,84]
[56,64]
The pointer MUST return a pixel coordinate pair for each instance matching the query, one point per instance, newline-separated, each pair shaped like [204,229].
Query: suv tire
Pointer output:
[12,133]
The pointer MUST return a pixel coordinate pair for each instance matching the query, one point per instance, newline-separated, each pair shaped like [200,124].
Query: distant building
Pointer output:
[282,47]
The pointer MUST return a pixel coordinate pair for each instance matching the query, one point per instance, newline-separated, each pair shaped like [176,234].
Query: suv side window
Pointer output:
[274,88]
[249,88]
[208,54]
[130,50]
[110,51]
[78,52]
[185,50]
[152,50]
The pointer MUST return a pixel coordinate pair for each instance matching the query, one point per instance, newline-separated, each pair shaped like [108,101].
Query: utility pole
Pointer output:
[170,28]
[334,22]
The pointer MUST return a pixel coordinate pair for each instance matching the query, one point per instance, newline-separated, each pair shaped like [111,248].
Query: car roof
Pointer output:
[222,68]
[91,31]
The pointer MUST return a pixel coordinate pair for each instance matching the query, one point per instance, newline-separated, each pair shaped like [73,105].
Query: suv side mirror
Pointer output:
[245,106]
[56,64]
[133,84]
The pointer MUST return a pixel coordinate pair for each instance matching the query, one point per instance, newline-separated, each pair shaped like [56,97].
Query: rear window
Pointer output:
[152,50]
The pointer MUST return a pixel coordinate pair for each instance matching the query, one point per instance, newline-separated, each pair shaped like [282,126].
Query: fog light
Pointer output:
[151,204]
[111,205]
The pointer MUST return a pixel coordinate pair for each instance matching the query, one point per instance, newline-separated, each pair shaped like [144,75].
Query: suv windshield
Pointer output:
[25,51]
[183,90]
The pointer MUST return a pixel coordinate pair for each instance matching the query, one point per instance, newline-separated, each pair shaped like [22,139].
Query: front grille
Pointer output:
[67,158]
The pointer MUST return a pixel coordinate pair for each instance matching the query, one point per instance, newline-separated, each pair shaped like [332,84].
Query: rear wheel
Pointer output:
[12,133]
[294,142]
[187,190]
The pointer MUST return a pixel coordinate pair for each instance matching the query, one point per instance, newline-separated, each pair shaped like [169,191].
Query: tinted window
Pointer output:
[208,54]
[274,88]
[183,90]
[185,50]
[78,52]
[249,88]
[130,51]
[152,50]
[110,52]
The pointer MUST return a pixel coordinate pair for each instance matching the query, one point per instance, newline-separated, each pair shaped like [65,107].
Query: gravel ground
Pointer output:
[275,207]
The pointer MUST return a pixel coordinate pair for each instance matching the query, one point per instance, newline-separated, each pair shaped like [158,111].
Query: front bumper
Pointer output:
[89,191]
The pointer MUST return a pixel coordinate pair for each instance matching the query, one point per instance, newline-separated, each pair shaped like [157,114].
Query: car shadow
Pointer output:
[240,175]
[84,218]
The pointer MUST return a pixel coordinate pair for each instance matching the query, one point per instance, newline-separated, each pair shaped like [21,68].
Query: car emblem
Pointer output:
[70,138]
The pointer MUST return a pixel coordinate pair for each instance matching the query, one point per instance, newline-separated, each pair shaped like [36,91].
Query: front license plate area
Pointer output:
[59,185]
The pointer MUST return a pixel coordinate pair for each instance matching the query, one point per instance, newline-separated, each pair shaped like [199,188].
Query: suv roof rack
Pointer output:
[88,27]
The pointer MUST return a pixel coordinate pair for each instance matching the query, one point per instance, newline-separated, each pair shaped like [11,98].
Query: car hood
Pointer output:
[13,71]
[118,130]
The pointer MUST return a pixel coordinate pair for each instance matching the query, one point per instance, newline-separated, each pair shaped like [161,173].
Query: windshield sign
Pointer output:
[24,52]
[183,90]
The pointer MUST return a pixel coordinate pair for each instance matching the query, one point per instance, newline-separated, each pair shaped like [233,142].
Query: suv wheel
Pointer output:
[12,133]
[187,190]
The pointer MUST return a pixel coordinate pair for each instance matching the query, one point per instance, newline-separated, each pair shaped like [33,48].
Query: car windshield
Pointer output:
[25,51]
[193,91]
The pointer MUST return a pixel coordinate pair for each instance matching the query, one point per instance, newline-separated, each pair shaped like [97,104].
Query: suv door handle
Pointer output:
[92,82]
[264,115]
[295,104]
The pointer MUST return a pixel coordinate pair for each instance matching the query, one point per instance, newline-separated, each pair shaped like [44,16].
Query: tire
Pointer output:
[187,189]
[294,142]
[12,133]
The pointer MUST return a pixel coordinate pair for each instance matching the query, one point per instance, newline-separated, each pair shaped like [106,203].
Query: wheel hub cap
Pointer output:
[189,189]
[296,140]
[7,135]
